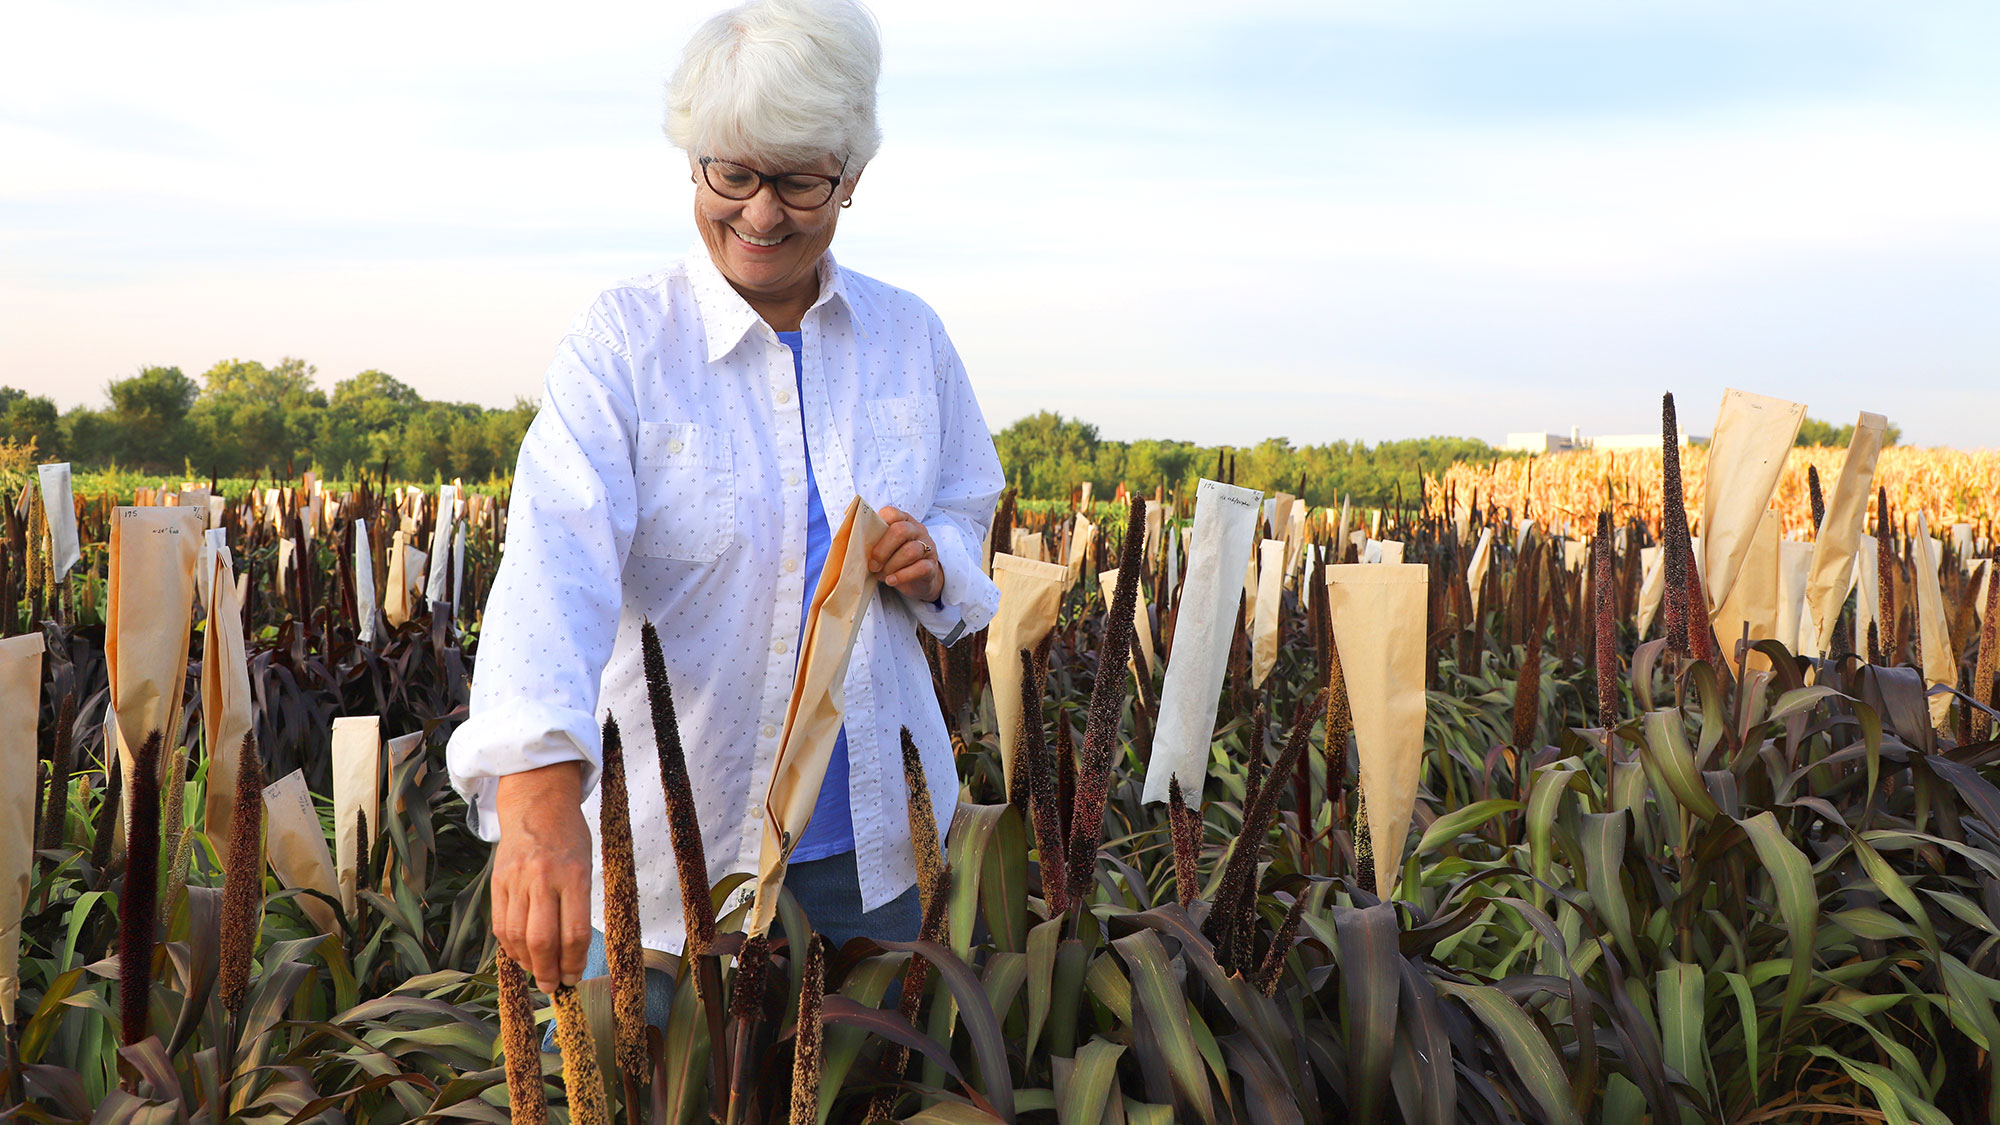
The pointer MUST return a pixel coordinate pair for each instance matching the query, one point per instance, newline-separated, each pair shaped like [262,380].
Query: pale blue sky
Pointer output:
[1212,221]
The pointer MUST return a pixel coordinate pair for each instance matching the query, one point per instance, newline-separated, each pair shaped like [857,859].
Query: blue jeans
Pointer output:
[828,890]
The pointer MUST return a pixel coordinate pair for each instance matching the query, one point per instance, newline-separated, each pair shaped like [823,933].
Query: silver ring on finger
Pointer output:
[926,547]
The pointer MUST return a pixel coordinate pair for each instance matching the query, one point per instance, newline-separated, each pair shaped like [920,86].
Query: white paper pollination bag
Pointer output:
[1225,527]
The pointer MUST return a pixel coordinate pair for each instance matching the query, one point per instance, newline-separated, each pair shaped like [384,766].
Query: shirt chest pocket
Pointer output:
[907,434]
[686,483]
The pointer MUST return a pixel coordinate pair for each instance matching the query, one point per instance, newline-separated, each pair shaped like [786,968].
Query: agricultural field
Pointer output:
[1719,867]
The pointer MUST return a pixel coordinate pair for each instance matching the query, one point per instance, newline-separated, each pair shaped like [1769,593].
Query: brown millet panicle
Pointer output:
[1256,766]
[923,825]
[1989,654]
[243,879]
[807,1055]
[139,900]
[1528,682]
[55,820]
[622,950]
[1273,969]
[1818,499]
[752,979]
[1601,579]
[361,849]
[520,1048]
[1674,531]
[107,821]
[583,1083]
[1184,825]
[1237,893]
[1339,720]
[1031,753]
[1107,699]
[683,826]
[1364,844]
[1885,573]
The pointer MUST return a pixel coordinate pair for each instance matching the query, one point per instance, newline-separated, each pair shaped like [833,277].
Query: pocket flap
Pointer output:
[682,443]
[903,415]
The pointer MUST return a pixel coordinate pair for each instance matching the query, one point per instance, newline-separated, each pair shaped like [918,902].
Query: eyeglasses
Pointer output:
[805,191]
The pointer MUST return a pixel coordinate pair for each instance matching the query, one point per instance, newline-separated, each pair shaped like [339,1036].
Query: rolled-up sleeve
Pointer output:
[554,608]
[968,484]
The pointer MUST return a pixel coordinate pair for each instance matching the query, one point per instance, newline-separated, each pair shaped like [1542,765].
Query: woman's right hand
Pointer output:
[541,874]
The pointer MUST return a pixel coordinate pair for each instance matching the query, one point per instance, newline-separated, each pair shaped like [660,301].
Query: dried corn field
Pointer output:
[1451,837]
[1948,486]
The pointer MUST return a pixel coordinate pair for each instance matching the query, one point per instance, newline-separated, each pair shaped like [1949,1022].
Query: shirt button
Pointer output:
[780,648]
[791,565]
[791,478]
[770,731]
[784,398]
[674,446]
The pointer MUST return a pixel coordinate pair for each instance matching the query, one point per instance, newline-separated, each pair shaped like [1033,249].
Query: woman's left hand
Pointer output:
[905,558]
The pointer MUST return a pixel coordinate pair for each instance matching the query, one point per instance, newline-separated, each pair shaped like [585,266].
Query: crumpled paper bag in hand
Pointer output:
[812,722]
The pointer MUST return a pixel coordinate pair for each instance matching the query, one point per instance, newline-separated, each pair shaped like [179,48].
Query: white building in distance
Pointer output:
[1575,441]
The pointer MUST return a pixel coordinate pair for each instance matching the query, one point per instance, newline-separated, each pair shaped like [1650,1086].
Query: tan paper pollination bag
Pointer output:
[59,507]
[1083,535]
[1142,625]
[1652,587]
[1940,659]
[296,846]
[1270,588]
[1225,525]
[1753,599]
[20,706]
[396,588]
[812,722]
[1753,436]
[1840,534]
[1030,594]
[1378,615]
[226,712]
[357,793]
[1475,571]
[150,614]
[1794,565]
[1029,545]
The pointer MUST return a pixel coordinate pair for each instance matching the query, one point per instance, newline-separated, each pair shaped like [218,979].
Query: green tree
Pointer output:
[256,419]
[26,418]
[148,421]
[1816,432]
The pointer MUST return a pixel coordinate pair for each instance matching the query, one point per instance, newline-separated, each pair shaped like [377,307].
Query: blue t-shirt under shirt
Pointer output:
[831,830]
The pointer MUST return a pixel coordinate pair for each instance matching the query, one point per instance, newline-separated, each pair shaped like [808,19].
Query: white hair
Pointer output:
[780,79]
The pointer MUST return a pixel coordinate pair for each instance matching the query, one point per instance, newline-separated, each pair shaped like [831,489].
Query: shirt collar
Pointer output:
[726,317]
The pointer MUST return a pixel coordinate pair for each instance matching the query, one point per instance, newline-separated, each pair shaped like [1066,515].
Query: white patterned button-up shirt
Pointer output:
[665,478]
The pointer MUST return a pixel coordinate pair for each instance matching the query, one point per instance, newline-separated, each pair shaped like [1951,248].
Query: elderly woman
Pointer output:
[697,427]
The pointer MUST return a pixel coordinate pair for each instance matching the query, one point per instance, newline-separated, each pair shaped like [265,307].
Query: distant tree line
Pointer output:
[246,419]
[1045,454]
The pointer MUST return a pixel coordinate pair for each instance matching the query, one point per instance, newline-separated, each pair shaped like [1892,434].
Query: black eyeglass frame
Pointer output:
[832,182]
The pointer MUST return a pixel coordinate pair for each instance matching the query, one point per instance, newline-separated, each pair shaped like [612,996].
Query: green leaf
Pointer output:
[1746,1012]
[1042,943]
[1532,1057]
[1798,903]
[1084,1085]
[1370,985]
[1670,759]
[1603,859]
[1458,822]
[1162,1004]
[1680,994]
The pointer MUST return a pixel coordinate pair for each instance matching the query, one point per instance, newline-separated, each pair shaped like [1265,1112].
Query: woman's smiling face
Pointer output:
[770,251]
